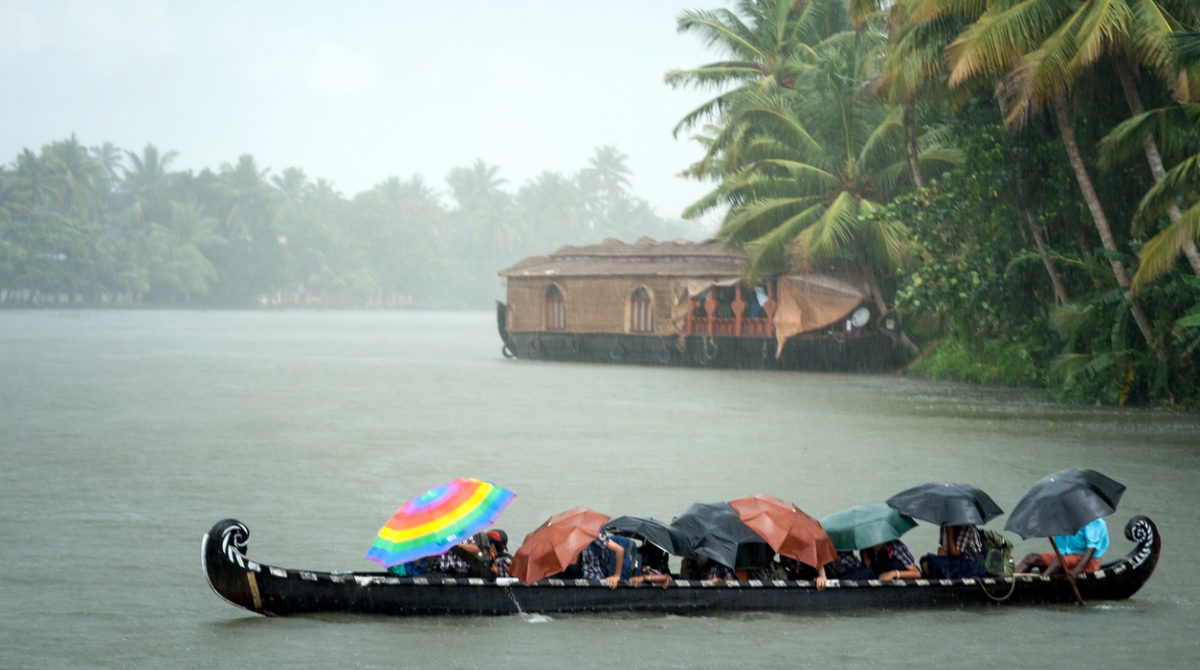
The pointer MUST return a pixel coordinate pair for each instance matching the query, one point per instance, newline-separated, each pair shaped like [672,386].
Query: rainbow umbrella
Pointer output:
[438,519]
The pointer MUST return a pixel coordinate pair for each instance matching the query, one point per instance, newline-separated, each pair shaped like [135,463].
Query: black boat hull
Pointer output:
[276,591]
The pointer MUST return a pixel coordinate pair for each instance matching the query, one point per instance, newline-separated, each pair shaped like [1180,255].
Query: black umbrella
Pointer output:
[946,504]
[669,539]
[1063,503]
[714,531]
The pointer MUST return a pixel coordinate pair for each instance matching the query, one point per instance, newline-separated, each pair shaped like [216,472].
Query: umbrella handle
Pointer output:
[1070,577]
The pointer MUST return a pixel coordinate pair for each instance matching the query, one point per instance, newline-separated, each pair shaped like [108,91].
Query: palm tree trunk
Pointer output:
[910,142]
[1039,237]
[1101,221]
[1134,99]
[1060,291]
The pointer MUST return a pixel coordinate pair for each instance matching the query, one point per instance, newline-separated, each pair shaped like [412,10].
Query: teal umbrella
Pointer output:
[866,526]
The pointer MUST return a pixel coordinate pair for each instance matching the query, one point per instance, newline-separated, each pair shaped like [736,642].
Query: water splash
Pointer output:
[526,617]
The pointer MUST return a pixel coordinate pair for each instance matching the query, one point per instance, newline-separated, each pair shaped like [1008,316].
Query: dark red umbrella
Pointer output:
[551,547]
[788,530]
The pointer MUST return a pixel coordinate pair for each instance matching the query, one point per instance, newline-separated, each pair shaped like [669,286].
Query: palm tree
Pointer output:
[767,43]
[808,191]
[292,184]
[250,214]
[551,211]
[75,172]
[602,185]
[1179,125]
[486,211]
[804,167]
[34,180]
[1040,49]
[177,261]
[147,176]
[912,65]
[607,171]
[477,184]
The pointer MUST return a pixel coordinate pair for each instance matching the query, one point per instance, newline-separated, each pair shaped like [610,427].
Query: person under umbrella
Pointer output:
[594,560]
[658,540]
[1080,552]
[652,567]
[501,559]
[575,536]
[958,509]
[875,530]
[891,560]
[1067,507]
[436,523]
[959,554]
[721,542]
[803,546]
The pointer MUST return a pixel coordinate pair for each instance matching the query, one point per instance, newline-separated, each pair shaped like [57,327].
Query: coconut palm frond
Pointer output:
[998,40]
[1178,182]
[1162,251]
[760,217]
[769,253]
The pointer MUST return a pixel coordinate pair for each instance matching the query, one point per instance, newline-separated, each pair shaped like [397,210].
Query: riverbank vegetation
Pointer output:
[105,226]
[990,164]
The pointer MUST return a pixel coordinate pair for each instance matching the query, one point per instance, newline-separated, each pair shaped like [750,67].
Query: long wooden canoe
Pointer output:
[274,591]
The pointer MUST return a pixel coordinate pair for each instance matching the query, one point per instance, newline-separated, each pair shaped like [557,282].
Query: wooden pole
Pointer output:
[769,308]
[710,306]
[739,306]
[1070,577]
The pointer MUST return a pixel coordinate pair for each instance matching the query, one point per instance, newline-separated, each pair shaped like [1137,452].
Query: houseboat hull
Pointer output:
[273,591]
[869,353]
[863,352]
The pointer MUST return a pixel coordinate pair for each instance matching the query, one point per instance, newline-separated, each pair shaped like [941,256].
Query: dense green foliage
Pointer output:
[105,226]
[1012,240]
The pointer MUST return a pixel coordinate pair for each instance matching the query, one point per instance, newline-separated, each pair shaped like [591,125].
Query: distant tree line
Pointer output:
[105,226]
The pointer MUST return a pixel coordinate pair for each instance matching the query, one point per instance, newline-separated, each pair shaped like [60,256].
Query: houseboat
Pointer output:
[686,303]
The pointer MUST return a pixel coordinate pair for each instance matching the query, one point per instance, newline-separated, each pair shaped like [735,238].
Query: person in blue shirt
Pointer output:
[1081,552]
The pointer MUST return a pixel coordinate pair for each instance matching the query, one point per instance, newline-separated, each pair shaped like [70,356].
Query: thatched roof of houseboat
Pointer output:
[646,257]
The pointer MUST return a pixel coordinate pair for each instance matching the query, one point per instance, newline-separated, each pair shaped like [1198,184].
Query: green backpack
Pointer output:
[997,554]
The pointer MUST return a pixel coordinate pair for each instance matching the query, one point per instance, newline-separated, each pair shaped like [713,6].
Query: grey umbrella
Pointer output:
[946,504]
[669,539]
[1063,503]
[715,531]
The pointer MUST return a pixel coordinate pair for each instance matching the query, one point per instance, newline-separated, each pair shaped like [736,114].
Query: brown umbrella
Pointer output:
[788,530]
[553,545]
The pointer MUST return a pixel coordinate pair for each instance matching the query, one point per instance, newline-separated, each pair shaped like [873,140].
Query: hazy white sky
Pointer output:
[356,92]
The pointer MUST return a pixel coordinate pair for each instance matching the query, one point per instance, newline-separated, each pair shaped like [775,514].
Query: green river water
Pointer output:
[125,435]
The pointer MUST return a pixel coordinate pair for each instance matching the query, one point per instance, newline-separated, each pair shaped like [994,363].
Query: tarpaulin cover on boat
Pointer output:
[809,302]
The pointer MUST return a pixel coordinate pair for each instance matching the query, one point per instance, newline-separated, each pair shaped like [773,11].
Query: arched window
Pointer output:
[641,314]
[556,311]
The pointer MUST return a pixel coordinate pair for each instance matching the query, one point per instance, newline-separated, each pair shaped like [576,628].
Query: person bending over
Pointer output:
[653,568]
[594,560]
[501,559]
[847,566]
[891,560]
